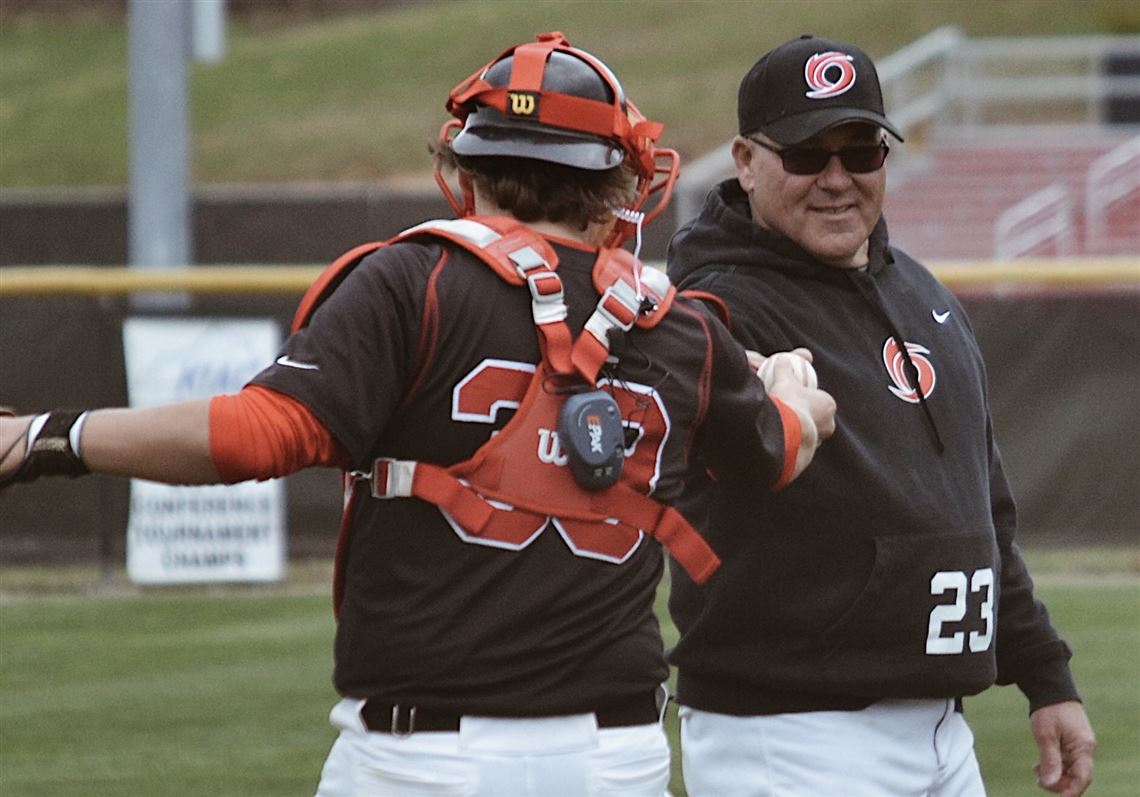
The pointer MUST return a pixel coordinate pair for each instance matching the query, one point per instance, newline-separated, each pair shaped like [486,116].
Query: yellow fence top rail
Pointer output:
[293,280]
[96,280]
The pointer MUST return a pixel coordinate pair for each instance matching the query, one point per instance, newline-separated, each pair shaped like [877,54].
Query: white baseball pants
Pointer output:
[548,757]
[893,748]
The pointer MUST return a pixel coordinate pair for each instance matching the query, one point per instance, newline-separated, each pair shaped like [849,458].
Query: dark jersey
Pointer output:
[890,567]
[422,353]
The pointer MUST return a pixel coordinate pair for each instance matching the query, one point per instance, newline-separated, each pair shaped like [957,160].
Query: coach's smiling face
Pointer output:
[829,214]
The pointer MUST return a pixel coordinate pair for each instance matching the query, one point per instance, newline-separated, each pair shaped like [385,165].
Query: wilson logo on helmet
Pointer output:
[522,103]
[829,74]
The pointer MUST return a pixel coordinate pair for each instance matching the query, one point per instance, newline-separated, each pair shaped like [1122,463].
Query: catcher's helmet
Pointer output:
[548,101]
[520,131]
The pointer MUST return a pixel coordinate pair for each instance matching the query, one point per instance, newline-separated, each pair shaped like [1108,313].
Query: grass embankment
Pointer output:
[357,97]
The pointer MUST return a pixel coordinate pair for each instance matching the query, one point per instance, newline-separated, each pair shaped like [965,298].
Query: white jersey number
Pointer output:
[955,581]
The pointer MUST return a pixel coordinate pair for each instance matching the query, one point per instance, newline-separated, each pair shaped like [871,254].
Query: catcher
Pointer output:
[514,401]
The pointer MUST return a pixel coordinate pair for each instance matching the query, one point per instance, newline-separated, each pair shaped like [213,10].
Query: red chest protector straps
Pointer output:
[506,491]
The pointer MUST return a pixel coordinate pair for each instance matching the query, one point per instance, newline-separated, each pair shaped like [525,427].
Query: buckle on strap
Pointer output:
[389,478]
[618,307]
[546,304]
[396,730]
[526,260]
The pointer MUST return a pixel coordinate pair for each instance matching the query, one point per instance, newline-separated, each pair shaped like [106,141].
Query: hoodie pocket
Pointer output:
[930,595]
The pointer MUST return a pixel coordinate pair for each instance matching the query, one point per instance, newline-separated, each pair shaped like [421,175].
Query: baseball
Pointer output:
[802,368]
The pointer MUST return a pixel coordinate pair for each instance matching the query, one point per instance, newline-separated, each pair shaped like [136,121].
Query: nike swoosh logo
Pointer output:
[940,317]
[286,360]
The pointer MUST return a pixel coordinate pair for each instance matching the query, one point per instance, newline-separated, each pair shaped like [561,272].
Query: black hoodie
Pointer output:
[889,568]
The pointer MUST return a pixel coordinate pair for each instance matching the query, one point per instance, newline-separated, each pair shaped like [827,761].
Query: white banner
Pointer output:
[200,534]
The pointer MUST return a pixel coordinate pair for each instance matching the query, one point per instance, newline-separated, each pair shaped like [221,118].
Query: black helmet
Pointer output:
[519,132]
[548,101]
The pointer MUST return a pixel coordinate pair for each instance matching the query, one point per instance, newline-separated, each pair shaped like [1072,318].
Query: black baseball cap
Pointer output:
[807,85]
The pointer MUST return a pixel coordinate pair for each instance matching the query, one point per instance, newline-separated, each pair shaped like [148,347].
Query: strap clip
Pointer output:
[389,478]
[547,305]
[620,305]
[618,308]
[527,260]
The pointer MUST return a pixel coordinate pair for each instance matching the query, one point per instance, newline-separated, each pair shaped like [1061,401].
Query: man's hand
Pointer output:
[1065,745]
[817,405]
[815,408]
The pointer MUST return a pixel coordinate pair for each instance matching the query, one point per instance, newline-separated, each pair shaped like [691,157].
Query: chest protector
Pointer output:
[505,491]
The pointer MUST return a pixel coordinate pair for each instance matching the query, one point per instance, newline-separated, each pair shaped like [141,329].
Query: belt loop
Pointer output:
[396,721]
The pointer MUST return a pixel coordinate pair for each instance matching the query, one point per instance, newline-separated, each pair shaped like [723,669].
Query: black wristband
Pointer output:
[49,450]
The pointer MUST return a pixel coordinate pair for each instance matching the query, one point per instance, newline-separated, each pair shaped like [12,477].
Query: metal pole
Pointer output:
[159,203]
[209,30]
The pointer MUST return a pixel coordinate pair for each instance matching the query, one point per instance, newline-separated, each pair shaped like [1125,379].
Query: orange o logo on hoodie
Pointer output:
[897,369]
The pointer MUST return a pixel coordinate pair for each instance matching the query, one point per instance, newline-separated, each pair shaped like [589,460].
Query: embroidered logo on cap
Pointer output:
[829,74]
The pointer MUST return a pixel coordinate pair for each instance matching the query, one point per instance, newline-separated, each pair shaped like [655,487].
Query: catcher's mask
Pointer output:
[548,101]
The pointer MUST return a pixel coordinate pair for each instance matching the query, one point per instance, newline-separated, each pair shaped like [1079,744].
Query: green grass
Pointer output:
[357,97]
[164,696]
[109,690]
[1102,624]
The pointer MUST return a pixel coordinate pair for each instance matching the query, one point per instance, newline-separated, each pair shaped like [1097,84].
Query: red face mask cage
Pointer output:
[619,121]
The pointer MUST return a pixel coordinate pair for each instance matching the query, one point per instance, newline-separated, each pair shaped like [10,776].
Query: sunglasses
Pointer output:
[813,160]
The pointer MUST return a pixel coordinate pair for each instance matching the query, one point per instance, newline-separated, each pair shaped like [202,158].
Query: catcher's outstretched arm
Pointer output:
[256,433]
[169,444]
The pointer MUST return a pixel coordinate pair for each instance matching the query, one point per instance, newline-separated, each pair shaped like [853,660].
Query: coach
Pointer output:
[855,609]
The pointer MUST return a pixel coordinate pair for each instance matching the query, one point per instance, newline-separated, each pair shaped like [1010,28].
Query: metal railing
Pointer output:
[1049,216]
[1063,79]
[1044,217]
[1111,178]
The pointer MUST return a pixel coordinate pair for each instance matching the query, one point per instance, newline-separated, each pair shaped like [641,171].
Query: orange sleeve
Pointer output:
[259,433]
[793,435]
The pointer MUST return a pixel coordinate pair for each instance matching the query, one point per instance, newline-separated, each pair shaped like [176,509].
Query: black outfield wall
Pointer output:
[277,224]
[1063,366]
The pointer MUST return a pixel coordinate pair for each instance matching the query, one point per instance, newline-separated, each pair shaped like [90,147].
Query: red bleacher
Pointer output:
[946,203]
